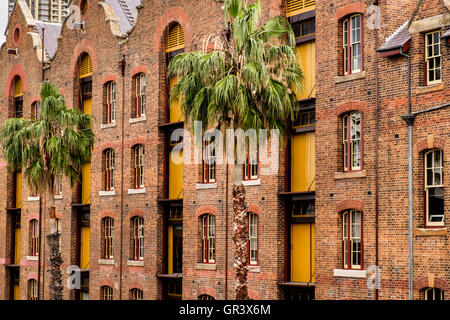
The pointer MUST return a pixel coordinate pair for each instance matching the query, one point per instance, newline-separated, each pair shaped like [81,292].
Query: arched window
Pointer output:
[108,169]
[352,44]
[83,7]
[208,225]
[32,289]
[434,294]
[205,297]
[34,237]
[108,238]
[352,239]
[85,71]
[137,238]
[58,229]
[295,7]
[18,97]
[252,238]
[251,170]
[138,152]
[136,294]
[139,95]
[351,141]
[106,293]
[175,40]
[35,109]
[109,105]
[209,160]
[434,188]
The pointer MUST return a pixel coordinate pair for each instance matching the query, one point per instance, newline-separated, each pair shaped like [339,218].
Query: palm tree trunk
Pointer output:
[240,236]
[55,260]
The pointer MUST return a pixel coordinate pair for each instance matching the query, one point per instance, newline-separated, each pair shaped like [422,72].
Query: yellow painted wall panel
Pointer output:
[87,106]
[86,183]
[16,295]
[19,190]
[175,107]
[170,250]
[84,247]
[17,246]
[303,167]
[175,179]
[307,61]
[302,252]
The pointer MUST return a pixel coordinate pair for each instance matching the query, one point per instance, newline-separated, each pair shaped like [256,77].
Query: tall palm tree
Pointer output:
[247,81]
[57,143]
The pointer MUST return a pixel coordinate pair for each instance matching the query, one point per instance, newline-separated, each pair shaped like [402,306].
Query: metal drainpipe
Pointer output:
[409,119]
[122,65]
[377,193]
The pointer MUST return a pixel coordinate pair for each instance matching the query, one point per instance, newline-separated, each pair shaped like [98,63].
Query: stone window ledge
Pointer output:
[350,175]
[201,186]
[32,258]
[135,263]
[248,183]
[33,198]
[135,120]
[58,197]
[350,77]
[430,232]
[107,193]
[137,191]
[108,262]
[108,125]
[349,273]
[206,266]
[254,269]
[430,88]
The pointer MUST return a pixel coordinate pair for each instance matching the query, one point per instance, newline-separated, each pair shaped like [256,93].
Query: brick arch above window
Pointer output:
[173,14]
[357,7]
[33,216]
[135,285]
[430,142]
[353,105]
[206,210]
[136,141]
[138,69]
[206,291]
[254,208]
[107,214]
[84,46]
[106,282]
[136,213]
[32,276]
[16,70]
[430,281]
[350,204]
[109,78]
[35,99]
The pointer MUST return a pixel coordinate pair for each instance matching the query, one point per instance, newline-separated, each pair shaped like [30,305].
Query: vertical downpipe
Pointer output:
[122,69]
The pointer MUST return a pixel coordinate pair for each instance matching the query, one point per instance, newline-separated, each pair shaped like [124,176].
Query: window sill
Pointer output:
[33,198]
[32,258]
[135,120]
[135,263]
[254,269]
[136,191]
[108,125]
[349,273]
[58,197]
[350,77]
[107,193]
[248,183]
[439,231]
[430,88]
[107,262]
[201,186]
[350,175]
[206,266]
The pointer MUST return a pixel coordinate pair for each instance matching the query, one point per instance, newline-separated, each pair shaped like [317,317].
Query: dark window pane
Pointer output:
[436,204]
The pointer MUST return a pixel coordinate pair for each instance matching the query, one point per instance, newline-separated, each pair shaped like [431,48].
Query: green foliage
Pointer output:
[56,143]
[247,81]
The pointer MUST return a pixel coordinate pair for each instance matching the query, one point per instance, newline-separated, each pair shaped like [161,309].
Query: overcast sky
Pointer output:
[3,18]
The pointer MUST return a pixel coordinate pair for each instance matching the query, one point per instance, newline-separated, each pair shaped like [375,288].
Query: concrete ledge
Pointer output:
[430,88]
[137,191]
[429,24]
[58,197]
[135,120]
[201,186]
[248,183]
[349,273]
[430,232]
[135,263]
[254,269]
[350,77]
[107,193]
[108,262]
[108,125]
[33,198]
[32,258]
[350,175]
[206,266]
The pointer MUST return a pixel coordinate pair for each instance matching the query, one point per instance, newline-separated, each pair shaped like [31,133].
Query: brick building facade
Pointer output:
[116,59]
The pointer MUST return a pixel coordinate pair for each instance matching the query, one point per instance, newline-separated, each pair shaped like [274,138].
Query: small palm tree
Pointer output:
[247,81]
[55,144]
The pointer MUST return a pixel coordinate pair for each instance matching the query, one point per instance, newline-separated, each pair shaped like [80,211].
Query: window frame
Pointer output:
[140,97]
[138,238]
[347,44]
[433,290]
[248,168]
[58,188]
[427,187]
[106,293]
[208,241]
[109,166]
[136,294]
[209,162]
[428,58]
[110,101]
[347,142]
[347,240]
[32,289]
[108,238]
[249,244]
[139,152]
[34,237]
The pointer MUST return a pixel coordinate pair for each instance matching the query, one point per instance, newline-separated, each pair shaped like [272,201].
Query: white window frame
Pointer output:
[110,102]
[351,126]
[109,169]
[433,58]
[351,238]
[138,237]
[350,43]
[434,184]
[253,238]
[108,238]
[139,152]
[141,99]
[208,238]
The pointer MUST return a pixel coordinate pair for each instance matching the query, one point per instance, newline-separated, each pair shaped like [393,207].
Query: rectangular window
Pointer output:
[352,44]
[351,239]
[433,56]
[139,166]
[253,238]
[209,161]
[108,234]
[32,289]
[106,293]
[34,232]
[109,170]
[351,141]
[208,237]
[110,102]
[58,185]
[434,188]
[251,164]
[140,102]
[138,238]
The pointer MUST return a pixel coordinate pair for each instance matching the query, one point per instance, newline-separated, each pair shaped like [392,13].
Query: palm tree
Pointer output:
[55,144]
[247,81]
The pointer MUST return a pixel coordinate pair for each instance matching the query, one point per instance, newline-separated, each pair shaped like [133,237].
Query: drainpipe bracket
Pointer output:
[409,119]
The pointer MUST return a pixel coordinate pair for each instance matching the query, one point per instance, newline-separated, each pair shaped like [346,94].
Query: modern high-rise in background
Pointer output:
[46,10]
